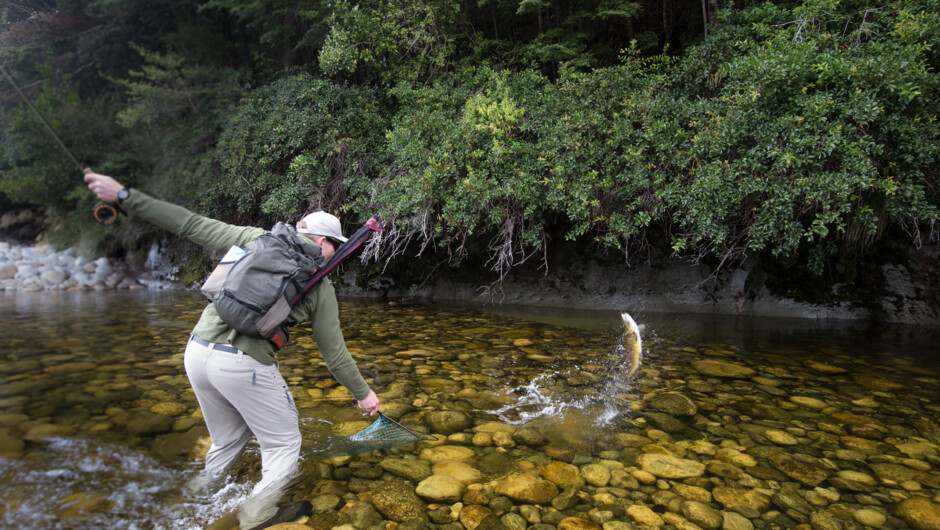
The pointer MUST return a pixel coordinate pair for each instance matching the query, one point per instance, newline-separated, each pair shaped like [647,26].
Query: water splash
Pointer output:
[91,484]
[547,400]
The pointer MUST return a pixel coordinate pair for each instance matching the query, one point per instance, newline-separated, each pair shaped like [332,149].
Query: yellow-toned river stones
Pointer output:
[531,425]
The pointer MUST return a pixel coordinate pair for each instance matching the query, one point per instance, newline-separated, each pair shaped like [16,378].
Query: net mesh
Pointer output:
[383,433]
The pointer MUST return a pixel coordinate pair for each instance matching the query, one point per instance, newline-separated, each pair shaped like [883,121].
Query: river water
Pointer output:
[734,423]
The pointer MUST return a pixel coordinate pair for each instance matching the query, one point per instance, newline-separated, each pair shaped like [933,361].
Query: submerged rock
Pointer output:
[526,488]
[397,501]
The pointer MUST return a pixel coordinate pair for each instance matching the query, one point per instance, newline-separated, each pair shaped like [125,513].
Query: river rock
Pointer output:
[895,472]
[464,473]
[731,497]
[853,481]
[472,516]
[447,421]
[144,422]
[363,515]
[441,488]
[928,428]
[825,520]
[406,468]
[789,500]
[869,517]
[171,446]
[809,402]
[664,422]
[396,500]
[443,453]
[803,468]
[526,488]
[22,388]
[563,474]
[672,403]
[12,419]
[7,271]
[668,466]
[47,431]
[169,408]
[596,474]
[780,437]
[10,446]
[514,521]
[920,513]
[577,523]
[435,385]
[713,368]
[873,382]
[735,521]
[644,515]
[702,514]
[529,436]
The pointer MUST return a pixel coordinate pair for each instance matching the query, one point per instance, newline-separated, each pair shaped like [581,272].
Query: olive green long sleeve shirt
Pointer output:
[321,310]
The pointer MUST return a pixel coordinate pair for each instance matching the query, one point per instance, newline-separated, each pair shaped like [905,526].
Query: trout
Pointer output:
[632,343]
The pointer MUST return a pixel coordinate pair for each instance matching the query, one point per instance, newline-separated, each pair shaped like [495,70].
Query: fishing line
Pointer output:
[41,118]
[104,212]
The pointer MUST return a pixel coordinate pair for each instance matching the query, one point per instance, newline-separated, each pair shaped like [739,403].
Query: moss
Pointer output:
[195,267]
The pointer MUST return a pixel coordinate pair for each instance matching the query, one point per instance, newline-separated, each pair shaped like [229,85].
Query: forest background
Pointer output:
[494,137]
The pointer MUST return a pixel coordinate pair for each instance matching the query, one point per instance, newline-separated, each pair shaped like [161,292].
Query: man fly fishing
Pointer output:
[235,376]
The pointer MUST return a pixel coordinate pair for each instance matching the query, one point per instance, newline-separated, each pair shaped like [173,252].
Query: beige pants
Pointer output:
[240,396]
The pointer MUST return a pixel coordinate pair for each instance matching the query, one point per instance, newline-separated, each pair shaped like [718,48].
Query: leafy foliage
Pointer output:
[298,144]
[498,130]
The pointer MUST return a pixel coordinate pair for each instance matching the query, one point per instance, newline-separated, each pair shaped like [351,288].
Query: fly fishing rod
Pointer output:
[104,212]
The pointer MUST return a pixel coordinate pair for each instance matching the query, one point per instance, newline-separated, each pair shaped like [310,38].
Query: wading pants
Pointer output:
[240,396]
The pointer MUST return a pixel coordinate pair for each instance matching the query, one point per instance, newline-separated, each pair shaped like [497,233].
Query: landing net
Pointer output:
[383,433]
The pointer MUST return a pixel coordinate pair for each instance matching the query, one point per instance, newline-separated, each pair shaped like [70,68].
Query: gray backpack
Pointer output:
[253,290]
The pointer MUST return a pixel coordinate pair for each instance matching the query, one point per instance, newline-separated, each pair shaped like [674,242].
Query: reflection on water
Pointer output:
[99,428]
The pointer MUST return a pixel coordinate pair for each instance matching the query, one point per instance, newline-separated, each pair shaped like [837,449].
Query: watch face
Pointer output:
[122,194]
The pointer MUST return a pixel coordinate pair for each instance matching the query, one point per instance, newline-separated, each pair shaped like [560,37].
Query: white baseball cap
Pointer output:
[321,224]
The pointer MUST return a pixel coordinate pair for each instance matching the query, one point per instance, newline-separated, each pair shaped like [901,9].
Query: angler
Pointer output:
[235,375]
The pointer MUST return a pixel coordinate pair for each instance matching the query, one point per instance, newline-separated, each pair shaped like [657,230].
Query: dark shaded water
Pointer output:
[98,426]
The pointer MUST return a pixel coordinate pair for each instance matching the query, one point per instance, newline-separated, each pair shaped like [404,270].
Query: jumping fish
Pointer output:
[632,343]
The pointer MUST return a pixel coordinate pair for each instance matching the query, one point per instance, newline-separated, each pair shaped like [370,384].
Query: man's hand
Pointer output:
[105,187]
[370,403]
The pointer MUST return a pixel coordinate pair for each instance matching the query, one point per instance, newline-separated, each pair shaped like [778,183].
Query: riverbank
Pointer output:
[903,291]
[906,291]
[43,268]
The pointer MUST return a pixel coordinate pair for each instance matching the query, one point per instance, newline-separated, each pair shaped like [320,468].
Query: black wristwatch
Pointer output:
[122,195]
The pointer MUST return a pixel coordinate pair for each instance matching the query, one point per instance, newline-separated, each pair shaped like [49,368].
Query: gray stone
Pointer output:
[568,498]
[363,515]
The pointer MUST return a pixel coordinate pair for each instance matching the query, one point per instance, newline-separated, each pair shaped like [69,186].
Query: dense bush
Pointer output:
[297,144]
[797,140]
[799,131]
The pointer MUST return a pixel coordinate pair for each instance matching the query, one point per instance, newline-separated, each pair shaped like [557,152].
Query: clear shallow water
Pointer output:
[98,426]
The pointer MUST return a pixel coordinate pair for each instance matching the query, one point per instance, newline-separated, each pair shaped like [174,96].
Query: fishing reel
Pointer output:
[106,213]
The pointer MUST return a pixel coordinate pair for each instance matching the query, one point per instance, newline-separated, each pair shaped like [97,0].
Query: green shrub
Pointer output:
[297,144]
